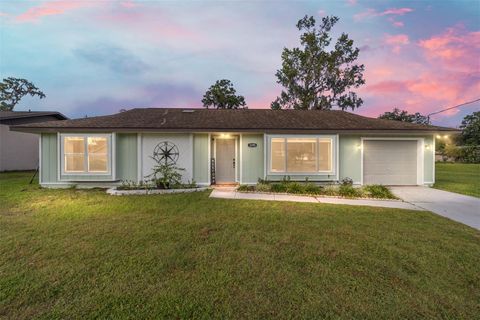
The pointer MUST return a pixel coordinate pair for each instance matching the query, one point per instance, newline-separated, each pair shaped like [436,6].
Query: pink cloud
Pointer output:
[396,11]
[389,86]
[396,23]
[454,48]
[352,2]
[129,4]
[388,12]
[50,8]
[399,39]
[396,41]
[435,73]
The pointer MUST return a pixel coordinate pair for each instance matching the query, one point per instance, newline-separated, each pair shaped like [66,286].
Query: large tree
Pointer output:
[222,95]
[12,90]
[471,129]
[317,75]
[403,115]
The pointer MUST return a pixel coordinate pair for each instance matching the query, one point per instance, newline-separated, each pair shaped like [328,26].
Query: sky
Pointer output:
[97,57]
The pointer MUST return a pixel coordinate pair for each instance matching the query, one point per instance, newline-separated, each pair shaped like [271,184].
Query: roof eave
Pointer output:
[265,130]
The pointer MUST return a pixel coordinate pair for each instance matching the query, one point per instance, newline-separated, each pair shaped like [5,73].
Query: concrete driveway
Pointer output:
[464,209]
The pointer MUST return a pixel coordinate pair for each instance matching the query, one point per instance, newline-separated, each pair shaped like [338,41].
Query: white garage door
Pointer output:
[390,162]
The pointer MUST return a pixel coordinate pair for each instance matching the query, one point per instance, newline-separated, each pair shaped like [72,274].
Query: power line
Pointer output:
[443,110]
[458,105]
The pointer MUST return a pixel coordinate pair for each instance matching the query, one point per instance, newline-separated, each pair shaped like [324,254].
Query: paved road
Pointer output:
[464,209]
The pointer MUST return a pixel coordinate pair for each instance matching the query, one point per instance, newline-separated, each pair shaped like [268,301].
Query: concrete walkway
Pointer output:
[232,194]
[464,209]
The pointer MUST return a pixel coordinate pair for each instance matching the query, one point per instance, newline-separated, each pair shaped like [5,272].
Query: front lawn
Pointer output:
[458,177]
[83,254]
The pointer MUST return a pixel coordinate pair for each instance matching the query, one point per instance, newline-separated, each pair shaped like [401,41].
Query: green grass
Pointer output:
[67,254]
[458,177]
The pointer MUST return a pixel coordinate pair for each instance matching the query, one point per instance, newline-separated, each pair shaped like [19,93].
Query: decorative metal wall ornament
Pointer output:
[166,152]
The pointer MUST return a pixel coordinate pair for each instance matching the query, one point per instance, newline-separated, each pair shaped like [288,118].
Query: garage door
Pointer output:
[390,162]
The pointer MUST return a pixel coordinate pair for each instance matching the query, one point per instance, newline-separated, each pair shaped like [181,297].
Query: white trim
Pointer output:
[110,155]
[334,156]
[40,158]
[241,160]
[192,151]
[209,156]
[433,160]
[264,156]
[59,157]
[236,159]
[139,157]
[420,155]
[114,156]
[337,159]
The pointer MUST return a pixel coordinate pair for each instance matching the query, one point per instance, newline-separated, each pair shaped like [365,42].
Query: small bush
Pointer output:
[295,187]
[278,187]
[263,187]
[330,190]
[262,181]
[349,191]
[245,188]
[346,181]
[378,191]
[312,188]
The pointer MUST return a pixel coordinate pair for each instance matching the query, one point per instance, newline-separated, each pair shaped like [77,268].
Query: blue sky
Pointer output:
[97,57]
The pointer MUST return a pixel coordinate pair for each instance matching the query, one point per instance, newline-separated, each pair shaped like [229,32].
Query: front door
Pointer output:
[225,161]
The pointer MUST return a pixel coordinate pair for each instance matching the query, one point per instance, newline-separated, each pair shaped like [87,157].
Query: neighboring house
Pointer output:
[236,146]
[18,150]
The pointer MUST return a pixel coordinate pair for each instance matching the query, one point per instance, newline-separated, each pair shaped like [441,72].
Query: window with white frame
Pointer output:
[86,154]
[301,155]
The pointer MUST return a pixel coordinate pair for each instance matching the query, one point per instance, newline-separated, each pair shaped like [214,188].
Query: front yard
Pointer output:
[458,177]
[84,254]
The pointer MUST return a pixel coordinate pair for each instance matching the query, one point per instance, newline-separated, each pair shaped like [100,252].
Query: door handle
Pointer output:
[233,163]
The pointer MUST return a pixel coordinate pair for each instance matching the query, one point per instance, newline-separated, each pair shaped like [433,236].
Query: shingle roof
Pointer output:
[163,119]
[27,114]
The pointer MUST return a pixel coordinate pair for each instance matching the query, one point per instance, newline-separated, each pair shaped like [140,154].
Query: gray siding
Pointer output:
[127,156]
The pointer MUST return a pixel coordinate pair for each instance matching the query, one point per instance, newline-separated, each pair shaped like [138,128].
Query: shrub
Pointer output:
[278,187]
[244,188]
[346,181]
[467,154]
[378,191]
[295,187]
[262,181]
[166,176]
[330,190]
[349,191]
[312,188]
[263,187]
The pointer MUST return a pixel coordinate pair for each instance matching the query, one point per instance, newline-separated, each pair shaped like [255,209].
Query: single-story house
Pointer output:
[19,150]
[235,146]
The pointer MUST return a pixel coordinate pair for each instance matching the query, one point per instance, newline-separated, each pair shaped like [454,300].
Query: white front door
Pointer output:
[225,161]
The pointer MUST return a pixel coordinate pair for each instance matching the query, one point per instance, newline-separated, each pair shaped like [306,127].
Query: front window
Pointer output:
[86,154]
[301,155]
[278,155]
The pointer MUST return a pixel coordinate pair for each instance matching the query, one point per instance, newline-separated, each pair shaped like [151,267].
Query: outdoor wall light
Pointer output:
[224,135]
[427,146]
[439,136]
[359,146]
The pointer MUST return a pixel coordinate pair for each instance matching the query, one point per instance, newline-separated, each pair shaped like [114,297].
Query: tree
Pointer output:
[12,90]
[403,115]
[317,76]
[471,129]
[222,95]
